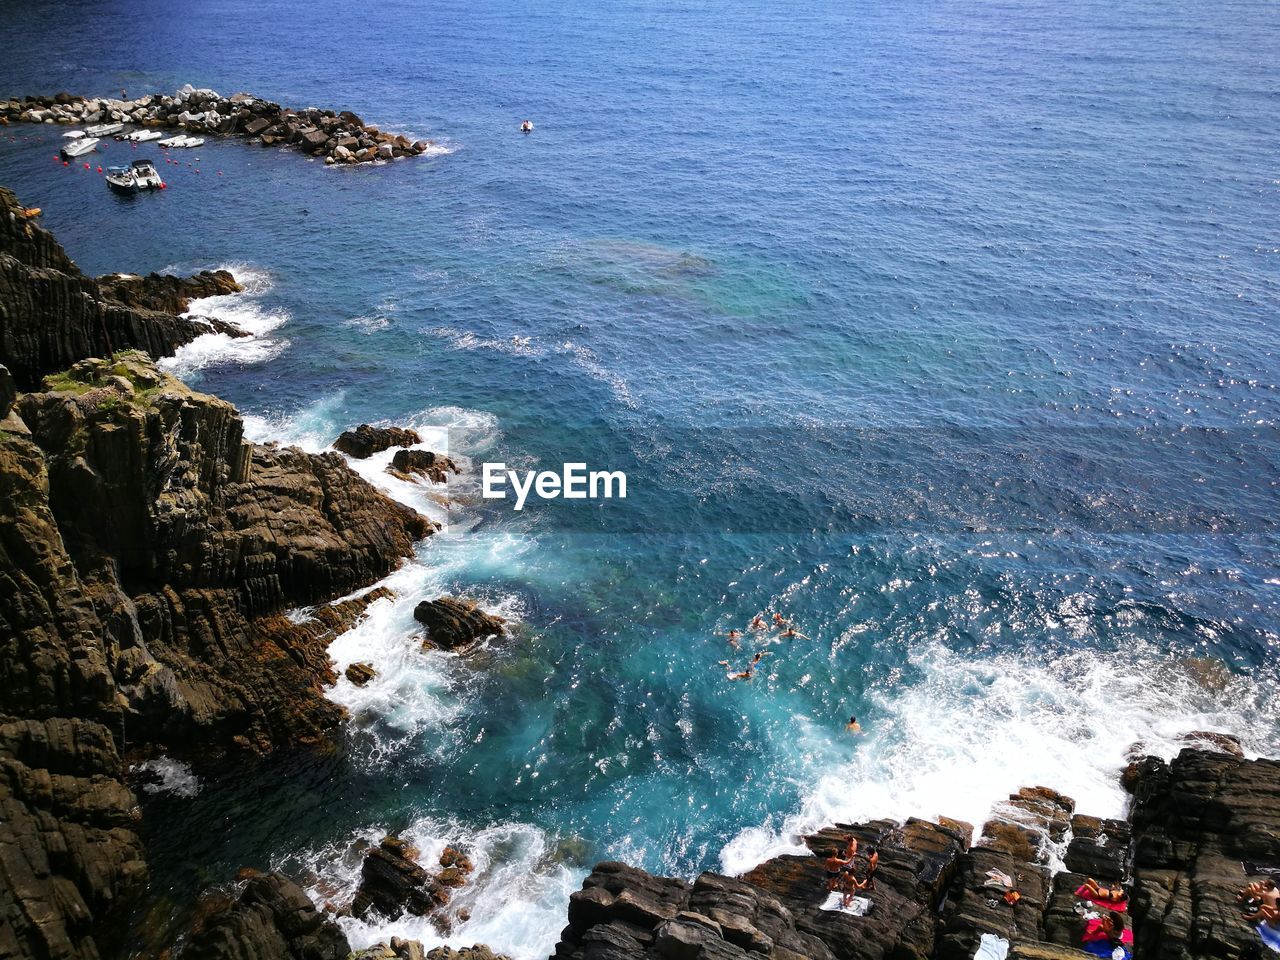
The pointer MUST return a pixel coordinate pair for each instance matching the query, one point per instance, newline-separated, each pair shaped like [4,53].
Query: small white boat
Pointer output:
[194,142]
[104,129]
[138,176]
[73,135]
[182,141]
[78,148]
[142,136]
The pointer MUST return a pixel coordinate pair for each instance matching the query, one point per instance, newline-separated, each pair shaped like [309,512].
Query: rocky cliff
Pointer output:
[148,553]
[52,315]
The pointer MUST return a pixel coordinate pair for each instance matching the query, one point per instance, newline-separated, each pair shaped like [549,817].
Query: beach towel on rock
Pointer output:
[1270,936]
[860,906]
[991,947]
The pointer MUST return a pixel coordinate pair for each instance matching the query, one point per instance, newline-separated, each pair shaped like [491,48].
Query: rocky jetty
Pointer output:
[52,315]
[340,137]
[454,624]
[1198,828]
[366,440]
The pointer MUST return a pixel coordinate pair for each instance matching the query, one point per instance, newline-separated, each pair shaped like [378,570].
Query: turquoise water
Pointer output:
[948,330]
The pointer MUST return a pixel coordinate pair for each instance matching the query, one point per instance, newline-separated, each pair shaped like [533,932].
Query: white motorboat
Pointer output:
[73,135]
[78,148]
[182,141]
[194,142]
[104,129]
[138,176]
[142,136]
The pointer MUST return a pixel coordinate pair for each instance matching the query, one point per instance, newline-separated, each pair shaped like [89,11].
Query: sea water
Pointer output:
[946,330]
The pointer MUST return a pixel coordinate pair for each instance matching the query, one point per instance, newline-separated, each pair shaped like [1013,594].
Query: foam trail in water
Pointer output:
[515,897]
[165,775]
[974,731]
[246,311]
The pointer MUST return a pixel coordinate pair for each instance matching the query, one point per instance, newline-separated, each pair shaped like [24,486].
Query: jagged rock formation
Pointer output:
[339,137]
[1196,823]
[454,624]
[157,291]
[1193,822]
[435,466]
[146,554]
[393,882]
[52,315]
[366,440]
[271,918]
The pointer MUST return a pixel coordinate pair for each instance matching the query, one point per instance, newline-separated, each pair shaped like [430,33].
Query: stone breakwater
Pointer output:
[340,137]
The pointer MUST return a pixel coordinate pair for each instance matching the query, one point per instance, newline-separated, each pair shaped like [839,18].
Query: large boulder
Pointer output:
[366,440]
[393,882]
[435,466]
[454,624]
[272,919]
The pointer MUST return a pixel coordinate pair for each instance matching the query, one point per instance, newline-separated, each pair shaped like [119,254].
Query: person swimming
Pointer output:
[526,127]
[758,622]
[792,633]
[853,726]
[779,620]
[734,636]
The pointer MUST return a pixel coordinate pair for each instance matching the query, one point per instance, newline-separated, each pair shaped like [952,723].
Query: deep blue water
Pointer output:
[947,329]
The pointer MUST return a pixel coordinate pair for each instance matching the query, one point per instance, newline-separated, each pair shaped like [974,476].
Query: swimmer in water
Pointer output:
[734,636]
[792,633]
[779,620]
[853,726]
[758,623]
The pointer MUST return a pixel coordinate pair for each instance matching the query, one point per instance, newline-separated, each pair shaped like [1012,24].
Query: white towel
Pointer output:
[991,947]
[860,906]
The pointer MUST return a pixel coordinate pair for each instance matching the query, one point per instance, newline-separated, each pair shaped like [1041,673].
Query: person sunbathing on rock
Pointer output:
[1101,895]
[1263,892]
[1108,936]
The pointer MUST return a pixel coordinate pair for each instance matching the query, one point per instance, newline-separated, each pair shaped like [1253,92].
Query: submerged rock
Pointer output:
[366,440]
[453,624]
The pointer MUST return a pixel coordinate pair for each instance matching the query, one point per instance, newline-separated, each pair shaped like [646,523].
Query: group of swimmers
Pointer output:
[757,625]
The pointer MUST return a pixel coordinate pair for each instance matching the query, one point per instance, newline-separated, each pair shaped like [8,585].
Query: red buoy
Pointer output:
[65,164]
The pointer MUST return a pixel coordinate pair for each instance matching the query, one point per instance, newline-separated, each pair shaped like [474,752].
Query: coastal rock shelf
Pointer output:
[1196,824]
[338,136]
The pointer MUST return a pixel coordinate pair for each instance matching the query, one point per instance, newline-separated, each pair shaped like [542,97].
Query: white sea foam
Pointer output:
[168,776]
[516,896]
[975,731]
[246,311]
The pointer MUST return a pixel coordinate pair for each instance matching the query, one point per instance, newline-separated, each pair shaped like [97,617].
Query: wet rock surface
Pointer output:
[393,882]
[271,919]
[454,624]
[366,440]
[434,466]
[339,137]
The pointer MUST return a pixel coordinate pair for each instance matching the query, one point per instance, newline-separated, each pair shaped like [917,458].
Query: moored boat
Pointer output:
[104,129]
[78,148]
[138,176]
